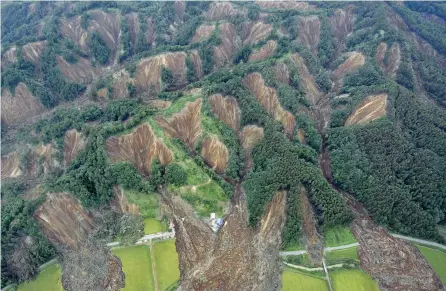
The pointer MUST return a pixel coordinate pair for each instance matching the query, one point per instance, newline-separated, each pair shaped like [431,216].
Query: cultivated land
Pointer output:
[166,259]
[48,280]
[437,259]
[291,279]
[340,256]
[348,280]
[153,226]
[338,236]
[137,266]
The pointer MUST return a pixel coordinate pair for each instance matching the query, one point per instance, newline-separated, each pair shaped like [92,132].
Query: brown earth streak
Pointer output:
[184,125]
[44,153]
[203,32]
[221,11]
[74,142]
[150,32]
[148,71]
[282,73]
[312,91]
[393,60]
[20,107]
[264,52]
[312,239]
[159,104]
[226,109]
[72,29]
[140,148]
[397,265]
[120,203]
[31,51]
[352,63]
[285,5]
[134,27]
[120,80]
[9,57]
[301,136]
[237,257]
[249,137]
[214,153]
[108,26]
[81,72]
[341,26]
[267,97]
[309,32]
[254,32]
[11,166]
[230,42]
[195,58]
[373,107]
[180,8]
[63,220]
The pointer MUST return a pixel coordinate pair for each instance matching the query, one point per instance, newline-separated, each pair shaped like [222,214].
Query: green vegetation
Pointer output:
[437,259]
[300,260]
[338,236]
[166,259]
[147,202]
[99,48]
[342,256]
[153,226]
[48,280]
[292,278]
[137,266]
[347,280]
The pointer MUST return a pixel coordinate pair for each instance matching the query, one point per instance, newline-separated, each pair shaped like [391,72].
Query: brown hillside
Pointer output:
[282,73]
[341,26]
[134,27]
[313,93]
[254,32]
[309,32]
[301,136]
[20,107]
[221,11]
[63,220]
[74,142]
[353,62]
[72,29]
[42,156]
[150,32]
[267,97]
[9,57]
[31,51]
[226,109]
[312,239]
[203,32]
[230,42]
[11,166]
[120,203]
[108,26]
[148,71]
[195,58]
[184,125]
[264,52]
[373,107]
[285,5]
[81,71]
[140,148]
[120,80]
[250,136]
[393,60]
[214,153]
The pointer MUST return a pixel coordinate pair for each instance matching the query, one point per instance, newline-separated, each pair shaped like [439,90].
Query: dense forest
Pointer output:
[394,165]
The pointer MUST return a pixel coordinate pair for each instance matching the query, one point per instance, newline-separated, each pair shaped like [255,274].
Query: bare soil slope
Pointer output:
[74,142]
[309,32]
[214,153]
[264,52]
[226,109]
[373,107]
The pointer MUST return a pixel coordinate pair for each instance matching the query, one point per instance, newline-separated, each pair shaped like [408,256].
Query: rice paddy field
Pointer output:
[349,280]
[340,256]
[294,280]
[166,260]
[137,266]
[338,236]
[48,280]
[437,259]
[152,225]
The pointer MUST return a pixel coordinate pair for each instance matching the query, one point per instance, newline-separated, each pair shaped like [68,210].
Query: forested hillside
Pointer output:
[280,117]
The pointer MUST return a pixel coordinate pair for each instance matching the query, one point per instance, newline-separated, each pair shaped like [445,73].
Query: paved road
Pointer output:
[329,249]
[420,241]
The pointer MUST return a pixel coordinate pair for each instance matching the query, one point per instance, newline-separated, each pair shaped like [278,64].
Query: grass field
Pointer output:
[349,280]
[340,256]
[166,259]
[137,266]
[148,202]
[153,226]
[293,280]
[437,259]
[338,236]
[48,280]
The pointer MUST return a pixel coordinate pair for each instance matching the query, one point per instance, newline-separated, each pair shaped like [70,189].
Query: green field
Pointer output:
[340,256]
[137,266]
[349,280]
[147,202]
[437,259]
[153,226]
[293,280]
[48,280]
[166,259]
[338,236]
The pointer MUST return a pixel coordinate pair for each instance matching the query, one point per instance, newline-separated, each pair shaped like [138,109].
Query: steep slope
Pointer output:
[214,153]
[249,137]
[74,142]
[121,204]
[107,24]
[313,93]
[11,166]
[254,32]
[351,64]
[309,32]
[226,109]
[342,22]
[72,29]
[31,51]
[230,42]
[203,32]
[140,148]
[373,107]
[81,72]
[267,97]
[390,64]
[9,57]
[220,11]
[264,52]
[285,5]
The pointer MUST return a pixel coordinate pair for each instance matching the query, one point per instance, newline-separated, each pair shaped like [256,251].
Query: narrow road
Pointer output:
[420,241]
[312,269]
[329,249]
